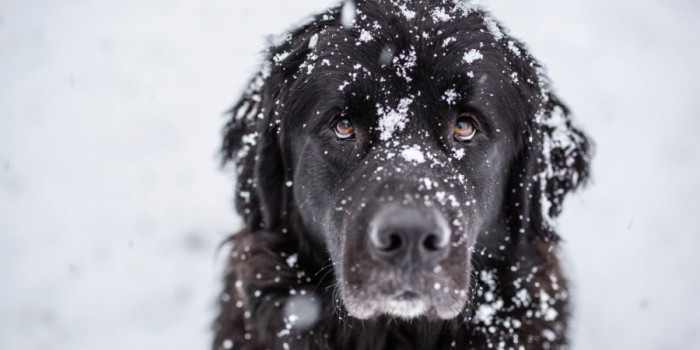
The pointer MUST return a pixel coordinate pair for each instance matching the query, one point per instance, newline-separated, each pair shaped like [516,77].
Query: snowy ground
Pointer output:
[112,204]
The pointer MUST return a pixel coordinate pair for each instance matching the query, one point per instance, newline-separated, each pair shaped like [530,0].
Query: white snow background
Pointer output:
[112,203]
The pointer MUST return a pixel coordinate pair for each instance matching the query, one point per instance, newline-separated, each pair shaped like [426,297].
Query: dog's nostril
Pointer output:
[394,242]
[432,242]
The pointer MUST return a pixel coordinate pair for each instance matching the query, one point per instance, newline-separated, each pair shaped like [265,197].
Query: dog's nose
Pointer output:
[404,236]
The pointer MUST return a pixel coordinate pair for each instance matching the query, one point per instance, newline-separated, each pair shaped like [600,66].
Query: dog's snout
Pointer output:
[404,236]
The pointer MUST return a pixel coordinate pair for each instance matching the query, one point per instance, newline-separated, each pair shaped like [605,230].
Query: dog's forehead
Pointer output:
[392,52]
[396,25]
[400,33]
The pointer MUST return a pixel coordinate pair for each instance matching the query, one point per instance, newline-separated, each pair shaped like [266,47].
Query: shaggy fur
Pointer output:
[307,197]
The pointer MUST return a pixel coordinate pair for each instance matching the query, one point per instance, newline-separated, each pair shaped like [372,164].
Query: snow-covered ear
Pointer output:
[554,157]
[558,156]
[252,135]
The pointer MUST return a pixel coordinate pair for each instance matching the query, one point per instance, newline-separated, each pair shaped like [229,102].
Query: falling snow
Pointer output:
[348,14]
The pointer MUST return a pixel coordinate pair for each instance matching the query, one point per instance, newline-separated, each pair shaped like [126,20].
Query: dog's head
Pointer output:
[396,133]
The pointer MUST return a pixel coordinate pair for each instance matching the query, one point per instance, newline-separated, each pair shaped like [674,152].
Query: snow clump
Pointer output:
[391,120]
[413,154]
[472,56]
[450,96]
[440,15]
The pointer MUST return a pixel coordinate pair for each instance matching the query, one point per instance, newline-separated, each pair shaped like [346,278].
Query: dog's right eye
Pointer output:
[344,130]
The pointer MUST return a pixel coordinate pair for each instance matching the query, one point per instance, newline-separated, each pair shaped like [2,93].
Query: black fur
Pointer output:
[292,174]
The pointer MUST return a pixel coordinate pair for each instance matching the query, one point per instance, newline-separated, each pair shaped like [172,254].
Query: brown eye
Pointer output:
[344,130]
[465,130]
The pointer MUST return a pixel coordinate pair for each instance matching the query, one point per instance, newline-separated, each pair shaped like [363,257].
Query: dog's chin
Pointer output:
[403,308]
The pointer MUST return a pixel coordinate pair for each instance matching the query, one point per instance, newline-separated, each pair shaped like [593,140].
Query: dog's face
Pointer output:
[402,157]
[403,134]
[399,181]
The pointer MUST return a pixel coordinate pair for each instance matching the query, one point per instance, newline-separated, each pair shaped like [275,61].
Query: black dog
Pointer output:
[399,167]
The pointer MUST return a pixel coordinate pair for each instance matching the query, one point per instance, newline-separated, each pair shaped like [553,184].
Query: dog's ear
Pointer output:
[554,156]
[252,135]
[556,160]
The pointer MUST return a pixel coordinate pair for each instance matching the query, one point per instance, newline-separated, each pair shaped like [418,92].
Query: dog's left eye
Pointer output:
[465,129]
[344,129]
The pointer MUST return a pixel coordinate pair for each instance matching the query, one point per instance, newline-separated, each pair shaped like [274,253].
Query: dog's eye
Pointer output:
[344,130]
[465,130]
